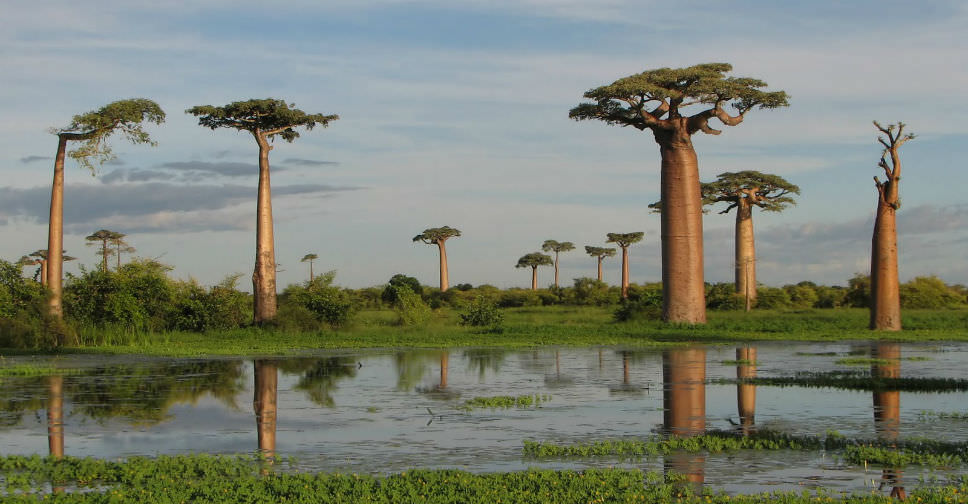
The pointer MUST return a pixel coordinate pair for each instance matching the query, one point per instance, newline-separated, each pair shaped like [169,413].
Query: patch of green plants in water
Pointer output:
[505,402]
[739,362]
[942,415]
[854,380]
[864,361]
[220,479]
[32,370]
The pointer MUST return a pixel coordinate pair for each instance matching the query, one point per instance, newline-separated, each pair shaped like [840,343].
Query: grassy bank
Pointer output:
[539,326]
[201,478]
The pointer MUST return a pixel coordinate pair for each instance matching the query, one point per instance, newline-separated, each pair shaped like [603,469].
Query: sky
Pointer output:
[456,113]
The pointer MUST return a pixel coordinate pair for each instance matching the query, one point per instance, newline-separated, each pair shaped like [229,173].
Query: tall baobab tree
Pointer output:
[655,100]
[93,129]
[557,247]
[265,120]
[624,241]
[310,258]
[533,260]
[600,253]
[743,191]
[885,287]
[104,236]
[437,236]
[121,246]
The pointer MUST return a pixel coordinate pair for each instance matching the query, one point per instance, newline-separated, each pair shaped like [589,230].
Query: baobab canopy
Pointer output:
[769,192]
[268,116]
[94,128]
[434,235]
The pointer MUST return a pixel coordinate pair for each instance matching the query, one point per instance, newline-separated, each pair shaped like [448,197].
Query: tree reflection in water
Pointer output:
[746,392]
[886,363]
[684,403]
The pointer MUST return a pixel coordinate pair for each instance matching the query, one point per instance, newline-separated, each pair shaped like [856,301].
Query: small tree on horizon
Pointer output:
[743,191]
[310,258]
[437,236]
[264,119]
[656,100]
[121,246]
[533,260]
[103,236]
[624,241]
[93,129]
[600,253]
[885,286]
[557,247]
[39,258]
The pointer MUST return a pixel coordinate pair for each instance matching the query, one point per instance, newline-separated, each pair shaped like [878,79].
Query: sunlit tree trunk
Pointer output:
[55,416]
[444,285]
[534,278]
[556,269]
[444,357]
[264,403]
[746,392]
[683,290]
[264,276]
[625,272]
[600,277]
[43,272]
[684,403]
[885,286]
[55,234]
[745,265]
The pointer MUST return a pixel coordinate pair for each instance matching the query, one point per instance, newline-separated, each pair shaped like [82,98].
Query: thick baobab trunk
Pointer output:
[55,233]
[745,266]
[885,287]
[43,272]
[683,290]
[264,403]
[264,276]
[55,416]
[600,277]
[684,403]
[534,278]
[746,392]
[443,266]
[625,272]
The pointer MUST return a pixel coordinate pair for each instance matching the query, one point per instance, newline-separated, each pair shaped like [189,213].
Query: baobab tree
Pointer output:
[39,258]
[437,236]
[533,260]
[104,236]
[310,258]
[885,287]
[93,129]
[624,241]
[557,247]
[121,246]
[743,191]
[655,100]
[265,120]
[600,253]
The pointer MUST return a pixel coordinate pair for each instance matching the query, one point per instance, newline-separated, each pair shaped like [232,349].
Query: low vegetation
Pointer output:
[505,402]
[856,380]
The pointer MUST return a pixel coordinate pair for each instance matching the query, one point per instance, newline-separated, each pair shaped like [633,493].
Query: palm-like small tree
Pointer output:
[625,240]
[39,258]
[310,258]
[556,247]
[103,236]
[533,260]
[437,236]
[121,246]
[600,253]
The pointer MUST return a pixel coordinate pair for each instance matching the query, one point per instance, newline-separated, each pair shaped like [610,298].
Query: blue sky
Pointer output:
[455,113]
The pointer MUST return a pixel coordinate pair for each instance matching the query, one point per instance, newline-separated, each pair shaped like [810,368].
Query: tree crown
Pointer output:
[767,191]
[599,251]
[266,117]
[533,260]
[652,98]
[309,258]
[94,128]
[434,235]
[104,235]
[554,246]
[624,239]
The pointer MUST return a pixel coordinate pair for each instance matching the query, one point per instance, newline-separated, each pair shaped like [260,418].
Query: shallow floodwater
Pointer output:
[379,411]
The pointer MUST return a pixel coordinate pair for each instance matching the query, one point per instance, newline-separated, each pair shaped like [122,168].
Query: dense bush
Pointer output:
[772,298]
[389,295]
[24,320]
[410,307]
[723,296]
[928,292]
[802,295]
[326,303]
[643,303]
[516,298]
[858,291]
[222,307]
[137,297]
[482,313]
[592,292]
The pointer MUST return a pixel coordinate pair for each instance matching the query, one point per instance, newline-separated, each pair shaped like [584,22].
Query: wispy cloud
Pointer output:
[34,159]
[308,162]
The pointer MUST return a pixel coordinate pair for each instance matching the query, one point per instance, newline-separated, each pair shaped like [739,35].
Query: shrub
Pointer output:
[772,298]
[138,297]
[516,298]
[802,295]
[927,292]
[723,296]
[591,292]
[830,297]
[858,291]
[389,295]
[411,308]
[643,303]
[326,303]
[481,313]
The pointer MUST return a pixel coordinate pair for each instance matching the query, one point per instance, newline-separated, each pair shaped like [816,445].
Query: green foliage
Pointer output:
[432,236]
[624,239]
[830,297]
[858,291]
[766,191]
[801,296]
[856,380]
[222,307]
[410,307]
[326,303]
[642,304]
[482,313]
[556,247]
[772,298]
[533,260]
[599,252]
[136,298]
[94,128]
[591,292]
[929,293]
[516,298]
[505,402]
[390,293]
[267,116]
[723,296]
[25,321]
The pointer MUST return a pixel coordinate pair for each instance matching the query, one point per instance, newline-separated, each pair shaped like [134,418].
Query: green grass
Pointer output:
[854,380]
[538,326]
[203,478]
[505,402]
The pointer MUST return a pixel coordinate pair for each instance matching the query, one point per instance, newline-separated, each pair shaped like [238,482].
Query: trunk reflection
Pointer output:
[684,400]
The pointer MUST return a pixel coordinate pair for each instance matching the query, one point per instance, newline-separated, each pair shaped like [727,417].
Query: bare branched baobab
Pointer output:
[310,258]
[885,287]
[600,253]
[655,100]
[93,129]
[265,120]
[624,241]
[104,236]
[437,236]
[557,247]
[533,260]
[743,191]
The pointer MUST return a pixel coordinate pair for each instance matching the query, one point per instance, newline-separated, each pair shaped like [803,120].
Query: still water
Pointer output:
[380,411]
